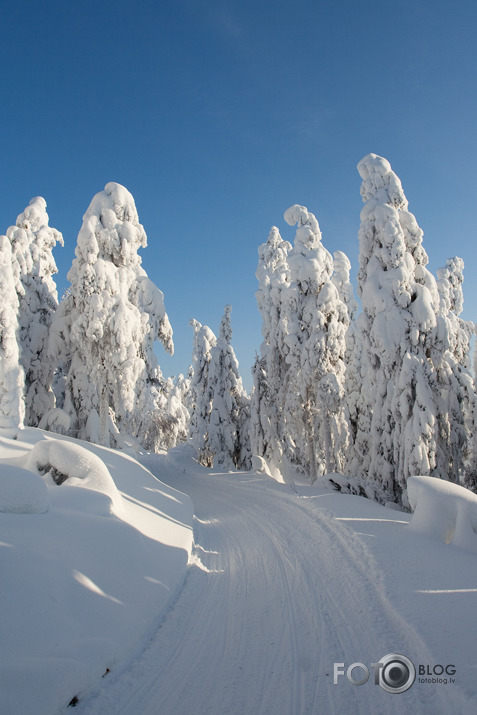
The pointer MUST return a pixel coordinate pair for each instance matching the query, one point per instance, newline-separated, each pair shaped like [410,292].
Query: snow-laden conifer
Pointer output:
[399,301]
[229,426]
[316,320]
[12,405]
[201,392]
[354,377]
[32,241]
[106,327]
[269,371]
[177,394]
[454,386]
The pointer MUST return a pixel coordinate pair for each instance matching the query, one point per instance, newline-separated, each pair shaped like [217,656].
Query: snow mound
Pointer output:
[21,491]
[444,510]
[71,463]
[56,420]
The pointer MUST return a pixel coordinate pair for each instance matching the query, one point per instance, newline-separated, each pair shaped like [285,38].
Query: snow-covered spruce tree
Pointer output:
[201,392]
[269,370]
[32,241]
[12,405]
[399,301]
[177,390]
[229,425]
[455,389]
[471,471]
[352,357]
[106,326]
[317,321]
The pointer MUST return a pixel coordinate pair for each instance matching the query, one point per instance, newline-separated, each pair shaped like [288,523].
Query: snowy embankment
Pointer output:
[92,553]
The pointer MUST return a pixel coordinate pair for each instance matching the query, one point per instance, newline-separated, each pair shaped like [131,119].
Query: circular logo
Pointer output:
[397,673]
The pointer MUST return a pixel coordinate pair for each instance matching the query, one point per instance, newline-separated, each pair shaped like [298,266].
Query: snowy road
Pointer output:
[277,592]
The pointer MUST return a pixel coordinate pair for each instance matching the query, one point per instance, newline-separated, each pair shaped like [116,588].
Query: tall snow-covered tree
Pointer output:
[317,321]
[399,301]
[229,424]
[106,327]
[455,390]
[201,392]
[471,471]
[273,275]
[341,279]
[12,404]
[32,241]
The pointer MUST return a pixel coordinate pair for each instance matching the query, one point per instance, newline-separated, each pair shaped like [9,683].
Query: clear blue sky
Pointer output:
[219,114]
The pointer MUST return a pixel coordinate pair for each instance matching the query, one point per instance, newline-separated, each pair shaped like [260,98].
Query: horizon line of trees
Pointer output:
[377,392]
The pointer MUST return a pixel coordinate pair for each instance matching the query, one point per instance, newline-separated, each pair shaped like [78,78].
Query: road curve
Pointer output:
[277,591]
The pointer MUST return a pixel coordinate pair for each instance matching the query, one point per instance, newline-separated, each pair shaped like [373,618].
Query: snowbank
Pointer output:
[83,582]
[444,510]
[76,466]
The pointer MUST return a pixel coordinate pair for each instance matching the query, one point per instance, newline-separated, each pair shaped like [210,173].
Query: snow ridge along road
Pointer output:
[277,591]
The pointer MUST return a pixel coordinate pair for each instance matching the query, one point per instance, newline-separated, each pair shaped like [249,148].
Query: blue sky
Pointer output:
[218,115]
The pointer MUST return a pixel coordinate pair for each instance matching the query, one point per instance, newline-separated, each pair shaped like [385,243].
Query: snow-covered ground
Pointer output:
[281,586]
[87,567]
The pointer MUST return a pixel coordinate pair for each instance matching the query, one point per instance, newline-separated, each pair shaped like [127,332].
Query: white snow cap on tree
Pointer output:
[32,241]
[450,280]
[310,263]
[340,278]
[12,406]
[380,182]
[108,322]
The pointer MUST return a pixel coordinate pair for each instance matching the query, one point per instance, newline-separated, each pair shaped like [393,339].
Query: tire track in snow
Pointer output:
[276,593]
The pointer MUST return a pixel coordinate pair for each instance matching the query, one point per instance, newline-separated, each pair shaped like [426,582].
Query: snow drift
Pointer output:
[74,465]
[444,510]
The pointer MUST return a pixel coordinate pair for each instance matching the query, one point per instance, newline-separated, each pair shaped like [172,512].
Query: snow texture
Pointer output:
[21,491]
